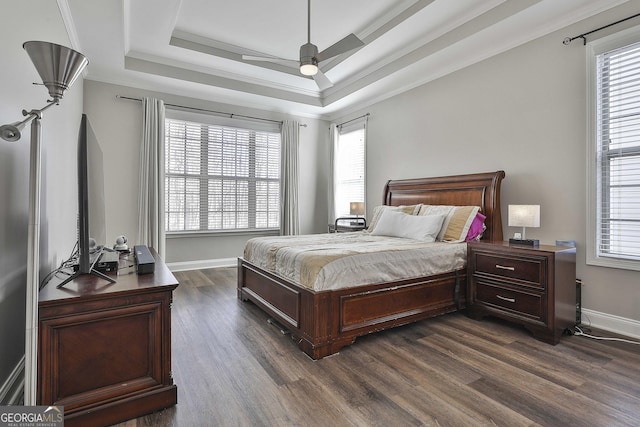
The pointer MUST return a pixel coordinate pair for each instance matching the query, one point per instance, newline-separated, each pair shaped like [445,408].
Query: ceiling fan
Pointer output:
[309,56]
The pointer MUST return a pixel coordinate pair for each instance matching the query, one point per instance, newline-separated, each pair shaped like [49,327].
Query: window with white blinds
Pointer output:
[221,177]
[616,161]
[349,163]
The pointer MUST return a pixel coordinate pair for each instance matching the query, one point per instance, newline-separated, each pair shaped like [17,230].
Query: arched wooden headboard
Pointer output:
[479,189]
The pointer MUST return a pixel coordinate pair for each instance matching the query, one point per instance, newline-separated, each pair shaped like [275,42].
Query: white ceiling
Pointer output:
[194,47]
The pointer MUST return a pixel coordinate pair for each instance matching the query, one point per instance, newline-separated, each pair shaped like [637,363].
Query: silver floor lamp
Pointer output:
[58,67]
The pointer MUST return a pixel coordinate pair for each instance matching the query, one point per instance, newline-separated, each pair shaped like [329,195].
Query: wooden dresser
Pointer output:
[533,286]
[105,349]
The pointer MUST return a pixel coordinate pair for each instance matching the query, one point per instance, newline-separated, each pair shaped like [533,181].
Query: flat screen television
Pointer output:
[91,206]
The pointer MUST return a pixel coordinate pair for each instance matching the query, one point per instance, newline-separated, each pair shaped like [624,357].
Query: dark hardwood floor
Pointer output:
[232,368]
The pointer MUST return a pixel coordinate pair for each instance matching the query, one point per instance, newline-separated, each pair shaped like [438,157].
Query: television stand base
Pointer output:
[78,274]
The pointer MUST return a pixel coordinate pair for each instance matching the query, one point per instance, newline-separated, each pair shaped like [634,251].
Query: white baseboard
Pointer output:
[12,390]
[612,323]
[204,263]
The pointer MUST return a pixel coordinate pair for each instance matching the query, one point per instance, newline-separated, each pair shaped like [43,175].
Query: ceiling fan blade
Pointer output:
[276,60]
[345,45]
[322,81]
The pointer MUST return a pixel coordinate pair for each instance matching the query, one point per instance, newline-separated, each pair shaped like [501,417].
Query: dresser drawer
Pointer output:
[530,270]
[527,304]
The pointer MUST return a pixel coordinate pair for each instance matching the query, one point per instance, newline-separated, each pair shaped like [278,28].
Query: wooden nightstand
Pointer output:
[533,286]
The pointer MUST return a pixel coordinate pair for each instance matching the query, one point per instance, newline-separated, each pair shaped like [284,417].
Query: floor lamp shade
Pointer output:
[57,65]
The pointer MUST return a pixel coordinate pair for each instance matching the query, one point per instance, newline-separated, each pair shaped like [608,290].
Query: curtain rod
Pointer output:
[568,40]
[353,120]
[231,115]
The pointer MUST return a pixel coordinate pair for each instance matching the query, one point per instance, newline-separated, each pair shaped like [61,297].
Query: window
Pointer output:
[614,169]
[221,177]
[349,163]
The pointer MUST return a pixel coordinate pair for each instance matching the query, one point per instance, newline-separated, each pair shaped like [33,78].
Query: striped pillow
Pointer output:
[457,222]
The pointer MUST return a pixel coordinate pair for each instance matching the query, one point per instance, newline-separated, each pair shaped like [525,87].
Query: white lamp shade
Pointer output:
[356,208]
[524,215]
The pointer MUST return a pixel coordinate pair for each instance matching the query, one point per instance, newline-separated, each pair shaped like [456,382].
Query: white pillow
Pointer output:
[398,224]
[377,211]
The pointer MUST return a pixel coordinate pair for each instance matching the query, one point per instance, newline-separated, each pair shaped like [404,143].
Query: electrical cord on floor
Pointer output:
[579,332]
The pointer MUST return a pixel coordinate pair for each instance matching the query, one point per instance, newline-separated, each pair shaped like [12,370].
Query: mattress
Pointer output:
[323,262]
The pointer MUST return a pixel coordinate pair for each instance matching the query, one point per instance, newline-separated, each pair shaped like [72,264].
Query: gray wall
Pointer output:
[523,111]
[59,135]
[117,125]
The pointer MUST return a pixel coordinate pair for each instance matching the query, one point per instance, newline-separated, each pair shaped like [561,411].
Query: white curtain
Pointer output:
[151,177]
[289,182]
[331,202]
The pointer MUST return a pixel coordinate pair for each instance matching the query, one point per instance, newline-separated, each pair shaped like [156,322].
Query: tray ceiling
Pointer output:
[194,47]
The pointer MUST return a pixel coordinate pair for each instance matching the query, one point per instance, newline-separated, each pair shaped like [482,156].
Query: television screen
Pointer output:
[91,206]
[95,190]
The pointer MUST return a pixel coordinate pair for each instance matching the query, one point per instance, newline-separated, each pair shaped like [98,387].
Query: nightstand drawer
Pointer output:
[531,270]
[527,304]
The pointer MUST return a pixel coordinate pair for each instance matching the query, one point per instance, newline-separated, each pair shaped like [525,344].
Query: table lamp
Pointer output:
[356,208]
[524,216]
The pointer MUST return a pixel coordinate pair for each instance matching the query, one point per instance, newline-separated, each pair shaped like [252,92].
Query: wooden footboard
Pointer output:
[324,322]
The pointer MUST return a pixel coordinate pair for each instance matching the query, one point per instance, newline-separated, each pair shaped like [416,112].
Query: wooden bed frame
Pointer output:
[324,322]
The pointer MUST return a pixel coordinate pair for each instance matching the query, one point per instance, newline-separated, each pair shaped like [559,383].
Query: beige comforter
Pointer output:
[341,260]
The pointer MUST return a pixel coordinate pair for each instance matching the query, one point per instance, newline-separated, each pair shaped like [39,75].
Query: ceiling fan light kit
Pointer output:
[309,56]
[308,61]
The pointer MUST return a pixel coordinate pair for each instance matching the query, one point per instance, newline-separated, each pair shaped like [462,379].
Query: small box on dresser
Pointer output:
[532,286]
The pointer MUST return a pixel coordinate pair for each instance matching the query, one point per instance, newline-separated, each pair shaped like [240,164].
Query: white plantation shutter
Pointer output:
[617,154]
[221,176]
[349,164]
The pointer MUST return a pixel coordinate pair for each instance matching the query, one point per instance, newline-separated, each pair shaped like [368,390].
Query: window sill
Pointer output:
[624,264]
[221,233]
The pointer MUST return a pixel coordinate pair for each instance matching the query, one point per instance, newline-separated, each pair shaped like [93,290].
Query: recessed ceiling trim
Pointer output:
[447,61]
[181,73]
[409,43]
[459,33]
[186,41]
[208,46]
[373,33]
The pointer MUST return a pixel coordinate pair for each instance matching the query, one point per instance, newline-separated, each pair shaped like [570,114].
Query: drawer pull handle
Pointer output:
[502,267]
[505,298]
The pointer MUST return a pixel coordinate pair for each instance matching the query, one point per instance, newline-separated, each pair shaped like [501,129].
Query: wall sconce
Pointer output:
[524,216]
[58,67]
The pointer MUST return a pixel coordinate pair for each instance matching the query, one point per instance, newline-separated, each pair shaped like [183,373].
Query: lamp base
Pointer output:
[524,242]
